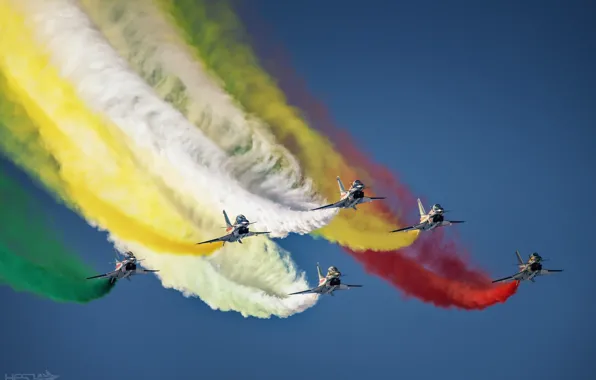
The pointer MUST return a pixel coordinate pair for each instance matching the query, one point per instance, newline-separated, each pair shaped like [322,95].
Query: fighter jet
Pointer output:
[329,283]
[529,270]
[124,269]
[350,198]
[430,221]
[237,231]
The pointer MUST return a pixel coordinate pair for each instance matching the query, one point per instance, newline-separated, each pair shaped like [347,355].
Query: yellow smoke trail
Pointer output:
[217,45]
[251,279]
[21,143]
[101,177]
[162,140]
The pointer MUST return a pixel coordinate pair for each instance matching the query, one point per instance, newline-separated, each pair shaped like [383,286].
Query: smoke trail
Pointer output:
[432,272]
[151,46]
[25,148]
[39,265]
[160,138]
[250,86]
[431,269]
[101,177]
[448,280]
[254,281]
[251,279]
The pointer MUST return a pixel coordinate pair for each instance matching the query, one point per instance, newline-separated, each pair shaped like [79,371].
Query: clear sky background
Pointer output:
[488,109]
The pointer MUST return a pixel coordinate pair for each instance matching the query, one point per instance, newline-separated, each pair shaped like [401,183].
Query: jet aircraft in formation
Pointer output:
[332,282]
[329,283]
[350,198]
[529,270]
[237,231]
[124,269]
[428,222]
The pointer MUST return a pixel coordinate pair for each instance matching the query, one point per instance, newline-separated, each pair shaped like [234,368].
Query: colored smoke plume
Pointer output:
[215,35]
[41,265]
[432,269]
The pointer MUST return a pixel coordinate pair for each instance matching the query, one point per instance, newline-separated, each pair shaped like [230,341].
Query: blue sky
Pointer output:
[487,109]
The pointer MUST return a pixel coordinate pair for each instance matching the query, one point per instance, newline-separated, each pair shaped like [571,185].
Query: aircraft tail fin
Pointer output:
[228,224]
[519,258]
[319,272]
[421,208]
[342,189]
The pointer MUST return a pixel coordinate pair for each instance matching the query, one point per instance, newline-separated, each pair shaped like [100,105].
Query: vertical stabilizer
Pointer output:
[519,258]
[421,208]
[228,224]
[342,189]
[320,273]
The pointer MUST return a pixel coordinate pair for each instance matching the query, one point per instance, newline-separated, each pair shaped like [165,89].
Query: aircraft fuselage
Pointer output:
[239,233]
[432,221]
[331,284]
[528,275]
[125,269]
[530,271]
[354,197]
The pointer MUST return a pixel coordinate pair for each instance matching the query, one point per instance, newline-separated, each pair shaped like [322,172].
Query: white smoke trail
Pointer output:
[166,143]
[139,32]
[258,291]
[254,281]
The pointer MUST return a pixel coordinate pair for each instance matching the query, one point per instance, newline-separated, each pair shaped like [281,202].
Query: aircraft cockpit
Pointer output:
[437,208]
[333,272]
[534,257]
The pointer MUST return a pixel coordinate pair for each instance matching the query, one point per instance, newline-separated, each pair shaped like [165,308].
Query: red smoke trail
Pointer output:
[431,269]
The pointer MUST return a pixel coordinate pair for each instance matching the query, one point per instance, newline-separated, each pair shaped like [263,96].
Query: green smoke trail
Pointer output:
[31,257]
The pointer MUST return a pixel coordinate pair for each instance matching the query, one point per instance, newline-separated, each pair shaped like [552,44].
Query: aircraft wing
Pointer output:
[336,204]
[105,275]
[313,290]
[411,228]
[346,287]
[549,271]
[145,271]
[449,222]
[250,233]
[223,238]
[514,277]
